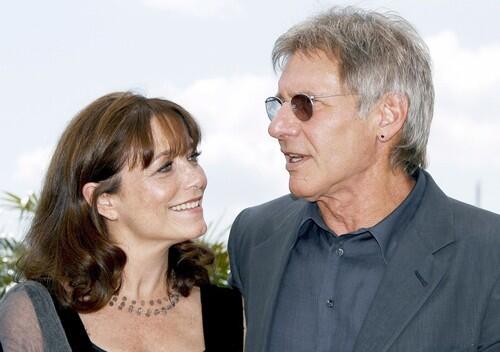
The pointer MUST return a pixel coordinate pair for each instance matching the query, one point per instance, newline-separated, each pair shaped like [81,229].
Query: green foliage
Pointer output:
[25,205]
[214,239]
[10,250]
[219,271]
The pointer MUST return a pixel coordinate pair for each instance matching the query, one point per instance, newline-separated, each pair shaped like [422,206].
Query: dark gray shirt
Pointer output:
[330,281]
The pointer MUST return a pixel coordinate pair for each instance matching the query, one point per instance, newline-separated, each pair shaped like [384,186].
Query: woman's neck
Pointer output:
[145,273]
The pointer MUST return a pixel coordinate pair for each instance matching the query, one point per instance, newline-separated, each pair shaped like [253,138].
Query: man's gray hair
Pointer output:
[377,54]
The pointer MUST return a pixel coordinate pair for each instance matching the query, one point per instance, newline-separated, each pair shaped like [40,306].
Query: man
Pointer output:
[367,254]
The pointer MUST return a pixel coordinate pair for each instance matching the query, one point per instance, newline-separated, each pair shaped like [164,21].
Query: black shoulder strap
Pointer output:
[222,319]
[73,328]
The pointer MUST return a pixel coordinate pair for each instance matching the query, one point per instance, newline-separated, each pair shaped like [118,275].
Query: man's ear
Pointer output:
[105,202]
[393,108]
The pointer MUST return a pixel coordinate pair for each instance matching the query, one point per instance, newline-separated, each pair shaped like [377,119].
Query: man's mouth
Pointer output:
[187,205]
[294,158]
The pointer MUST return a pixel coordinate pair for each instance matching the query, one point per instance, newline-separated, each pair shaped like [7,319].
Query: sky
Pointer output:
[213,57]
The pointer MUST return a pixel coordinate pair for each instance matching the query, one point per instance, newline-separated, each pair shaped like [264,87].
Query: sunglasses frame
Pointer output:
[309,100]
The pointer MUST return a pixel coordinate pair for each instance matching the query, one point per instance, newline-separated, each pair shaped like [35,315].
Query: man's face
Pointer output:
[333,151]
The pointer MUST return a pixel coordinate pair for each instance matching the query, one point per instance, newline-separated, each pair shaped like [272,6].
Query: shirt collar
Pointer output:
[384,231]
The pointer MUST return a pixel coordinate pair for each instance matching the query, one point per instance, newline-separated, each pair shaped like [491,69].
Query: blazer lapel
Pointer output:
[419,264]
[270,259]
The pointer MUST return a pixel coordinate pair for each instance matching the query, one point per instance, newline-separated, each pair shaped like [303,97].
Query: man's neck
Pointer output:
[366,202]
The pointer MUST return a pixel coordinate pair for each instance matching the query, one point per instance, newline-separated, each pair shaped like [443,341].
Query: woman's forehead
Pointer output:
[171,136]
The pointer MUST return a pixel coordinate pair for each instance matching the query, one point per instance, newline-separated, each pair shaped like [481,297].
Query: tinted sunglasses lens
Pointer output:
[273,104]
[302,107]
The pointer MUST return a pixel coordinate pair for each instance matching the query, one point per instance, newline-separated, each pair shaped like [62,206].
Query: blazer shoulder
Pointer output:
[275,207]
[474,219]
[261,221]
[476,228]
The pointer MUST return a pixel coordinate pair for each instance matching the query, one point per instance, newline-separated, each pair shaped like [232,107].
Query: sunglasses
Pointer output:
[302,105]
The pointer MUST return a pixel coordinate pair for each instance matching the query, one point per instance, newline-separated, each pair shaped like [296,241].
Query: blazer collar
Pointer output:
[419,263]
[270,258]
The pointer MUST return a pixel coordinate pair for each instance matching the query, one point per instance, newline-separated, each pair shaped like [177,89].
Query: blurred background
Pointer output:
[213,57]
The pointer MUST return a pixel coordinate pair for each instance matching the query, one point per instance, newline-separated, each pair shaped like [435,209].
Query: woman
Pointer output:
[110,265]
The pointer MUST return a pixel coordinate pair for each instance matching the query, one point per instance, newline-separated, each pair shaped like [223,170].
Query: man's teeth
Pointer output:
[293,158]
[186,206]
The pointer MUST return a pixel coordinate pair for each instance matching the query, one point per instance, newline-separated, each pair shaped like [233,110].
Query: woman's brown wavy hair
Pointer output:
[67,245]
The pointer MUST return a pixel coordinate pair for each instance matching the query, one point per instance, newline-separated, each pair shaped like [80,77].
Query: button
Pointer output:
[339,252]
[330,303]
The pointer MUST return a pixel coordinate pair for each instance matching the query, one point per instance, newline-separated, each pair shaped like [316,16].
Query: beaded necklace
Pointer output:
[149,308]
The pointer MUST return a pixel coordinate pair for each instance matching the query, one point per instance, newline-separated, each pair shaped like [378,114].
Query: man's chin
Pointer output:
[299,191]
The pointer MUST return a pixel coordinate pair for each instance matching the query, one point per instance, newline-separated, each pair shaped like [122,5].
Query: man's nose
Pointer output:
[285,124]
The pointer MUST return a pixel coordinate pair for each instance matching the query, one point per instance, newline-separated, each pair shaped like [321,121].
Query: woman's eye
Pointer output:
[194,157]
[165,167]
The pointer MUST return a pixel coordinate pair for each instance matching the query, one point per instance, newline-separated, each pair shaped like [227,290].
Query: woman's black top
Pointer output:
[222,322]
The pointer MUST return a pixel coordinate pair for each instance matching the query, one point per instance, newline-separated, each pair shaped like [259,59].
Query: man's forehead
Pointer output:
[308,72]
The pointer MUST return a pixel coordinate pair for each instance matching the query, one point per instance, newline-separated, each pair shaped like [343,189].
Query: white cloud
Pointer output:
[198,8]
[464,143]
[243,163]
[233,119]
[465,73]
[31,166]
[466,118]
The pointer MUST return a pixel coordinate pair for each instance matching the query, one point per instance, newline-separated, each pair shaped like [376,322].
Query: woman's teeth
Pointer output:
[186,206]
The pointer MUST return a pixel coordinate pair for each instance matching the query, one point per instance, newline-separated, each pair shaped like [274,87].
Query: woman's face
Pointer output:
[162,203]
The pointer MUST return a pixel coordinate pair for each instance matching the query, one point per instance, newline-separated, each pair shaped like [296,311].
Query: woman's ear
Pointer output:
[88,191]
[105,202]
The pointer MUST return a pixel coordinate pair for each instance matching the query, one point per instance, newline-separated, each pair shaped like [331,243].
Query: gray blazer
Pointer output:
[440,291]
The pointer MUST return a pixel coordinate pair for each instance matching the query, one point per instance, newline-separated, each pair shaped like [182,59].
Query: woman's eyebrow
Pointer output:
[166,153]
